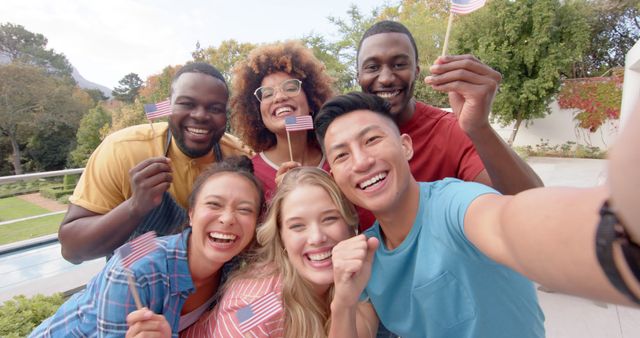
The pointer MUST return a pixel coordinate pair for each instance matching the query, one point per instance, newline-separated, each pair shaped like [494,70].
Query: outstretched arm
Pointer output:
[547,234]
[86,235]
[471,86]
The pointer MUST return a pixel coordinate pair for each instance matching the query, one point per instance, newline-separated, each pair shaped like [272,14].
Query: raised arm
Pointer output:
[547,234]
[471,86]
[85,235]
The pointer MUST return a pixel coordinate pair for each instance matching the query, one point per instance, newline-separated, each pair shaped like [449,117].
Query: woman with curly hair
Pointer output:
[276,81]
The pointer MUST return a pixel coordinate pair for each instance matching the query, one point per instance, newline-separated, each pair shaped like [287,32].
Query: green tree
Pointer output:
[23,93]
[224,56]
[89,135]
[158,86]
[351,30]
[615,28]
[32,103]
[126,115]
[96,95]
[530,42]
[18,44]
[53,131]
[327,53]
[128,89]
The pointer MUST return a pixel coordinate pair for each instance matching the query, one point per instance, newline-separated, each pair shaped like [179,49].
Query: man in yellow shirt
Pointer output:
[139,178]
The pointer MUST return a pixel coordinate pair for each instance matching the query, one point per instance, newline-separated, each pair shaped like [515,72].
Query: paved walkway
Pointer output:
[43,202]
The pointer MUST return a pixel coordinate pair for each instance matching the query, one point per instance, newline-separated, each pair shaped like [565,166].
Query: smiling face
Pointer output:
[276,108]
[311,225]
[369,159]
[387,67]
[199,112]
[223,219]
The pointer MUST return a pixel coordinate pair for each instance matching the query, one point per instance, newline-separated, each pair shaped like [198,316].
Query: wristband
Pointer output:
[610,233]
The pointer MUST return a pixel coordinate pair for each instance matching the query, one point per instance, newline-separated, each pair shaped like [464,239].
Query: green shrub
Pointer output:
[568,149]
[19,316]
[69,181]
[55,192]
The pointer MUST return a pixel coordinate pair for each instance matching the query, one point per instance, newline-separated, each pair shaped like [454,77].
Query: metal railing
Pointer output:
[43,240]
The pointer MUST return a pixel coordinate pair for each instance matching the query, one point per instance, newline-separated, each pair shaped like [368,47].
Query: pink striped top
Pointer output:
[248,308]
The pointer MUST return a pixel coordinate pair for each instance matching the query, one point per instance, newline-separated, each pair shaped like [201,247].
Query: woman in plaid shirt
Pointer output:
[178,280]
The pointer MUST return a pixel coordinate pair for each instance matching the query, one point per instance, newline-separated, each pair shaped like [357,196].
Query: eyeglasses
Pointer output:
[290,88]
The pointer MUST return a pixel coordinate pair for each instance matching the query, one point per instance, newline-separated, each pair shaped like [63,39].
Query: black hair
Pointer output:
[199,67]
[387,26]
[344,104]
[240,165]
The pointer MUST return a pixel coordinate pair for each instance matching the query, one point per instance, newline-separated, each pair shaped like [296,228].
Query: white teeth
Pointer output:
[197,131]
[281,110]
[218,235]
[372,181]
[387,95]
[319,256]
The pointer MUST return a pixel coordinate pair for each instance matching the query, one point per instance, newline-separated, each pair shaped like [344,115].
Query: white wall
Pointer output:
[558,128]
[631,87]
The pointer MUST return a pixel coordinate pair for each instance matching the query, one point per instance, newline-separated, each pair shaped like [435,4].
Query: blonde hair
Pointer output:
[306,314]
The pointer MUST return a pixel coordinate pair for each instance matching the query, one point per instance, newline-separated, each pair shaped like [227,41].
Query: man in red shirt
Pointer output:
[461,145]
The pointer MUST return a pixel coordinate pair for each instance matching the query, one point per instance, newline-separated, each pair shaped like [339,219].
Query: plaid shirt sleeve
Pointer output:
[115,302]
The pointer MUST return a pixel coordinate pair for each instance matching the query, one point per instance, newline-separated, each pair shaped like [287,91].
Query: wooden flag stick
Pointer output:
[134,291]
[446,36]
[289,141]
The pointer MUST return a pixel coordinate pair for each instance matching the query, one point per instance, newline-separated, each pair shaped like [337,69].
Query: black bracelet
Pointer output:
[611,230]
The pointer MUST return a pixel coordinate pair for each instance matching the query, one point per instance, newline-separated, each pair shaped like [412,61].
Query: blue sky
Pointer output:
[106,40]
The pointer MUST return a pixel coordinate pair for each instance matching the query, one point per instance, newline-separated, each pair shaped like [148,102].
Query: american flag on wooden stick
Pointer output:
[294,123]
[261,309]
[155,110]
[137,248]
[465,6]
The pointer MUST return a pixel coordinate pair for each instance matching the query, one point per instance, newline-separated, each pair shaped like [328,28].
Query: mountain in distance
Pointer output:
[82,82]
[86,84]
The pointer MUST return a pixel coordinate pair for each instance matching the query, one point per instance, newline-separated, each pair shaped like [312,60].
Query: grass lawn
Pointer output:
[13,208]
[19,231]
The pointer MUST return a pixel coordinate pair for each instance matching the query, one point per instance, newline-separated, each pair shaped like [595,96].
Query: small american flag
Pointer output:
[465,6]
[293,123]
[258,311]
[137,248]
[160,109]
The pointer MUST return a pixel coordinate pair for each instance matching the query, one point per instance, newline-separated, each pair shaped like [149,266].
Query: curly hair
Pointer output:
[290,57]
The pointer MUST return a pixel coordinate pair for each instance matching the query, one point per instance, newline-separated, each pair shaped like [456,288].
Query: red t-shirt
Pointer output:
[440,149]
[265,171]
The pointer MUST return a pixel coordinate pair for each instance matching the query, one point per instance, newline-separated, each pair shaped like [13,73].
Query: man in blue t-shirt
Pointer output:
[444,259]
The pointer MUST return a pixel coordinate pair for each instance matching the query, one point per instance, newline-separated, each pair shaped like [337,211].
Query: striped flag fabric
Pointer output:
[155,110]
[259,310]
[137,248]
[294,123]
[466,6]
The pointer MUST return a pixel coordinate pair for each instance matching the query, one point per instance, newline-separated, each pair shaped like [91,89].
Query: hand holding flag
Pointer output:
[131,252]
[296,123]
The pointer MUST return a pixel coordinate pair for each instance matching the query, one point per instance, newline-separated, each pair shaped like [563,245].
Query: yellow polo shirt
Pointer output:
[105,182]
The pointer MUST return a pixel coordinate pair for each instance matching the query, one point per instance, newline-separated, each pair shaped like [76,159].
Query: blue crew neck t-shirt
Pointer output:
[438,284]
